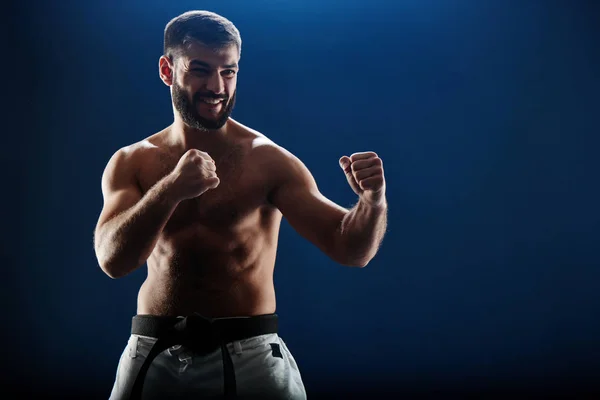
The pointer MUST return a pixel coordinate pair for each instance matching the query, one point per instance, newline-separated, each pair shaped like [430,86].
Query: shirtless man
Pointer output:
[201,203]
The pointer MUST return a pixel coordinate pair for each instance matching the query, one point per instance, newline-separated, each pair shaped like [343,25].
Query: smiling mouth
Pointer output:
[211,101]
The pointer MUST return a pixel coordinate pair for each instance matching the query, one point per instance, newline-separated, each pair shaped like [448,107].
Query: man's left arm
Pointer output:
[349,237]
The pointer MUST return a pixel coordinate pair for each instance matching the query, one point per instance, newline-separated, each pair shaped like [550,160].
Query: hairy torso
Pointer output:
[216,254]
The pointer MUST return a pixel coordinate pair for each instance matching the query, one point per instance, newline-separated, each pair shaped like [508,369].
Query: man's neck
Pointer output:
[186,137]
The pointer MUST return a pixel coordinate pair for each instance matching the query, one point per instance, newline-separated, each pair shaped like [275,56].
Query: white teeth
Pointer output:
[212,101]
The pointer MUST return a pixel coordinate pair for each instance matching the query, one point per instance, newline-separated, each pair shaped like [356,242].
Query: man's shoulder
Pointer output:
[261,145]
[276,160]
[141,148]
[130,157]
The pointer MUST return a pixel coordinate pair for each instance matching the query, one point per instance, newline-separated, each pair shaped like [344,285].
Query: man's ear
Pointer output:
[165,70]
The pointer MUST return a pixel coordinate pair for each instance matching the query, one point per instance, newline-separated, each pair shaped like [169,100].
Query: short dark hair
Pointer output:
[209,28]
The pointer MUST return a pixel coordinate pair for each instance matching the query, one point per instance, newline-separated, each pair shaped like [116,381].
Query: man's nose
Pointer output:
[215,83]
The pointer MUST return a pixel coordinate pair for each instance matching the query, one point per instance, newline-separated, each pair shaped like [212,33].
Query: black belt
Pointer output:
[202,336]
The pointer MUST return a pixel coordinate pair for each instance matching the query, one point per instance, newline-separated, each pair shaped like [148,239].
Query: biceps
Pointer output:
[118,201]
[119,187]
[311,214]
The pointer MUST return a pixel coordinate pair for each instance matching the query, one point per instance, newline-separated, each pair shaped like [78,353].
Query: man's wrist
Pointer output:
[167,190]
[380,204]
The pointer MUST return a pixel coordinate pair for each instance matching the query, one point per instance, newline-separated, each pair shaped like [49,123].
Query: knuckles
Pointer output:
[197,155]
[365,155]
[360,165]
[200,161]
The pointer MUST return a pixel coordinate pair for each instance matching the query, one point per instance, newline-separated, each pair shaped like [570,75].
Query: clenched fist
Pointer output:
[194,174]
[364,172]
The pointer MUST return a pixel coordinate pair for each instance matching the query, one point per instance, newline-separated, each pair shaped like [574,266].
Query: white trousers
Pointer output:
[264,369]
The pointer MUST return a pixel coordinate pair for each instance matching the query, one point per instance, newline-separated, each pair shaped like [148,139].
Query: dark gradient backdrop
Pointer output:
[486,114]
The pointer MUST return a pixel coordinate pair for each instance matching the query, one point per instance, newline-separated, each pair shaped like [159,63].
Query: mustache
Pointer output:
[199,96]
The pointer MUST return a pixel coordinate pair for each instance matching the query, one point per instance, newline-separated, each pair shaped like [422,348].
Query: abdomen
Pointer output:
[212,272]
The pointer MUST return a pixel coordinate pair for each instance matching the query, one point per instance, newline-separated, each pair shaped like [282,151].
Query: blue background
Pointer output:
[486,114]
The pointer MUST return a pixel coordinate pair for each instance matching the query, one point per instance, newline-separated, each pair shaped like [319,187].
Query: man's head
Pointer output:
[200,63]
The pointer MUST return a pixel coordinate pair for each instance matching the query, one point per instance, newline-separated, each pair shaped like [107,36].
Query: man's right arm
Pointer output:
[130,223]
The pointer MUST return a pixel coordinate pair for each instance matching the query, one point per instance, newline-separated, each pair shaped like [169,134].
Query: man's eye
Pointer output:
[229,72]
[201,70]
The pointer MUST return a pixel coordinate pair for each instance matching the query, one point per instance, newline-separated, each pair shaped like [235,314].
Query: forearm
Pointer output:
[361,233]
[125,242]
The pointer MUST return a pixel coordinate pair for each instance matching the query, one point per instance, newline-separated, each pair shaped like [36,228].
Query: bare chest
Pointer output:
[240,194]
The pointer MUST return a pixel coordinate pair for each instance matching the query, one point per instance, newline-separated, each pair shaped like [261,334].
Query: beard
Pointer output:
[189,110]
